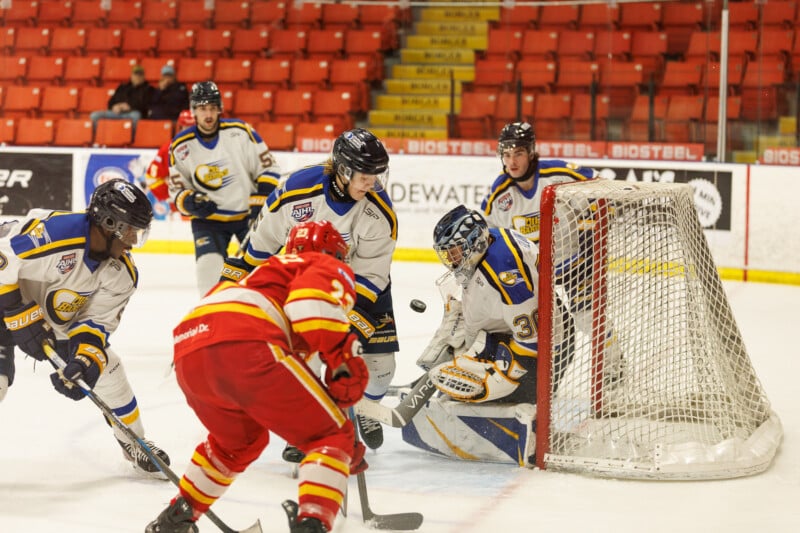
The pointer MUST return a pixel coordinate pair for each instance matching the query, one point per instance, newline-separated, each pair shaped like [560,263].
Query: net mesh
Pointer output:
[648,373]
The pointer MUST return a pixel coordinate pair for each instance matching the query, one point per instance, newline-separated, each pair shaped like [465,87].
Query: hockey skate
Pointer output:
[177,518]
[371,431]
[306,525]
[291,454]
[141,462]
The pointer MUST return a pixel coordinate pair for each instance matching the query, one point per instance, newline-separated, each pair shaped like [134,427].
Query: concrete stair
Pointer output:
[424,87]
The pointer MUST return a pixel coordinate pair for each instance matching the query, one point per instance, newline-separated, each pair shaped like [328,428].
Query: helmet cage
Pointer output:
[461,239]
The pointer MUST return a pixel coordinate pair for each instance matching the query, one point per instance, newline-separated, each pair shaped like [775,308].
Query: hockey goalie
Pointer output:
[483,356]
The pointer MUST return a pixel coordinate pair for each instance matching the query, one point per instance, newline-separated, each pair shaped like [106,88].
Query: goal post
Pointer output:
[642,369]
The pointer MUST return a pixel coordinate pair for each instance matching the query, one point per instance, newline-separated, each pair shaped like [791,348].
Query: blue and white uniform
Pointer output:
[500,299]
[508,206]
[235,170]
[369,226]
[45,258]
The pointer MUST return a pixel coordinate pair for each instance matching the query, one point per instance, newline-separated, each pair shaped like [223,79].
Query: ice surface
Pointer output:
[61,470]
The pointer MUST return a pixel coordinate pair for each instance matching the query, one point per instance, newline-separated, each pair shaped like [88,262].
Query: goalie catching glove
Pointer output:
[489,375]
[87,363]
[346,375]
[451,337]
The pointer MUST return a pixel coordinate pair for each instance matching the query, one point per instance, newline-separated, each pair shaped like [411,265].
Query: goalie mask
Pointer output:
[317,236]
[123,209]
[461,239]
[358,150]
[518,135]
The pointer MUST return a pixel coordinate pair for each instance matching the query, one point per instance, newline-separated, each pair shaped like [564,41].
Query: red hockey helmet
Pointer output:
[185,119]
[317,236]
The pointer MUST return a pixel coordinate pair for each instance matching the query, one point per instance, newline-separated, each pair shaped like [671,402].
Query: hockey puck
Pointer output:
[418,305]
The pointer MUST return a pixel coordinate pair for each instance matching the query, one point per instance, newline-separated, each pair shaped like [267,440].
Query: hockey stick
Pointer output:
[394,522]
[408,407]
[59,363]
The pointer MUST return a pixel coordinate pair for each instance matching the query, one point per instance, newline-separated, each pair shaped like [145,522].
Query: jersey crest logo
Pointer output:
[182,152]
[505,202]
[302,212]
[509,278]
[67,263]
[385,320]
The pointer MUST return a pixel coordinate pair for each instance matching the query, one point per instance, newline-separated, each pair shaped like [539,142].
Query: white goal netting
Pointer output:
[643,371]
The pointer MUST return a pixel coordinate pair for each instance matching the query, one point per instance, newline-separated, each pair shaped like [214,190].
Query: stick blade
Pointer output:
[255,528]
[395,522]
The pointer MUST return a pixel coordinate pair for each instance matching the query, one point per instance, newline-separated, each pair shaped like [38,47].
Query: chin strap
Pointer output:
[338,193]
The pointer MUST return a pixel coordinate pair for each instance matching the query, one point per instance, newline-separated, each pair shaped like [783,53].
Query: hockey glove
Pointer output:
[195,204]
[29,329]
[346,374]
[235,269]
[87,363]
[449,337]
[358,464]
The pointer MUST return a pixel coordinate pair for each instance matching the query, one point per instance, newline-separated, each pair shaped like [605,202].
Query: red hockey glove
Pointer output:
[358,464]
[346,374]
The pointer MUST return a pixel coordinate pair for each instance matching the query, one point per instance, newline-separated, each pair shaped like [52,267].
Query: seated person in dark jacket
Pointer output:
[170,98]
[130,100]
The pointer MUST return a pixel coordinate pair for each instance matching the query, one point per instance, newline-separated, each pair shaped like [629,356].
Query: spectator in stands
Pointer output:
[130,100]
[170,98]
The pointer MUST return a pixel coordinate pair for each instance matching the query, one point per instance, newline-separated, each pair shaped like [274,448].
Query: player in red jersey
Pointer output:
[240,361]
[158,169]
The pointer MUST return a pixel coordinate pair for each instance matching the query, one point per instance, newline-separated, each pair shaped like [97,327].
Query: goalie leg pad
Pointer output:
[494,433]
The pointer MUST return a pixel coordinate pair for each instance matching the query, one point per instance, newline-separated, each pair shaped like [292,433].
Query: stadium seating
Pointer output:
[59,102]
[21,101]
[230,14]
[475,119]
[7,131]
[34,131]
[152,133]
[32,41]
[277,135]
[113,133]
[73,132]
[68,41]
[88,13]
[125,14]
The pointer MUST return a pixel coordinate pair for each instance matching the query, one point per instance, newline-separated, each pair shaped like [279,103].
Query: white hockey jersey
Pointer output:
[508,206]
[45,256]
[369,226]
[501,296]
[235,170]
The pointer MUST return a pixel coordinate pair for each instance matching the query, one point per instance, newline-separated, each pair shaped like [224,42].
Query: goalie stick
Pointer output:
[409,406]
[59,364]
[393,522]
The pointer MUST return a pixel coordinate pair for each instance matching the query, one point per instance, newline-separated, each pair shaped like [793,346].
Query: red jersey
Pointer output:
[298,302]
[158,172]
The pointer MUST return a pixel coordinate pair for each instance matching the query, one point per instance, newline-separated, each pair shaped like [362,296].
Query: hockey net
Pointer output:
[642,369]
